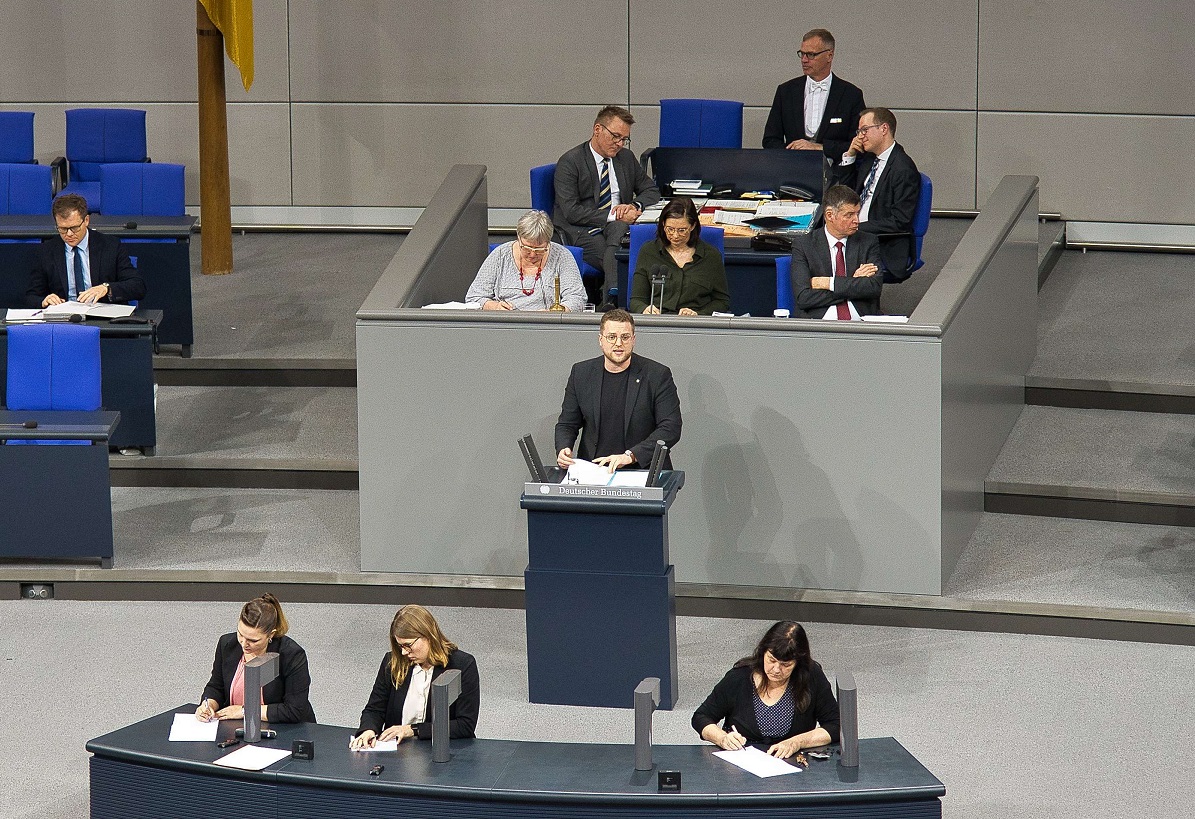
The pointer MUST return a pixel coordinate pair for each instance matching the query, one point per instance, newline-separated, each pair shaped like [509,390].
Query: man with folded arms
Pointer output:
[888,184]
[818,110]
[600,190]
[836,268]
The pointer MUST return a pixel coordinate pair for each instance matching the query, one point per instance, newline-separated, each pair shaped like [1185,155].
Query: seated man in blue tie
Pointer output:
[81,264]
[888,184]
[600,190]
[836,268]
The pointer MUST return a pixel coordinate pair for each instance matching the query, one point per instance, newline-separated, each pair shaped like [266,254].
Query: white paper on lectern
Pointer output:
[388,745]
[187,728]
[22,314]
[753,760]
[587,473]
[629,477]
[252,758]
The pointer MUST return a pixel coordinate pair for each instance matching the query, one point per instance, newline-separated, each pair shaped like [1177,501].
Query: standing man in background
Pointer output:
[817,111]
[600,190]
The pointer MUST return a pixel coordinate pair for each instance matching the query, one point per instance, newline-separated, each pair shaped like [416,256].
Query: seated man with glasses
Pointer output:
[80,264]
[886,178]
[620,403]
[818,110]
[693,271]
[521,275]
[600,190]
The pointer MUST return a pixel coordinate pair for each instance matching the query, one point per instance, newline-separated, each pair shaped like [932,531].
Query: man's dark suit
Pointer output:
[893,203]
[576,209]
[811,258]
[285,697]
[386,701]
[109,265]
[786,120]
[652,409]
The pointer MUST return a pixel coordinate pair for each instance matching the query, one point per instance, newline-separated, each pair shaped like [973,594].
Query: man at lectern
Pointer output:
[621,403]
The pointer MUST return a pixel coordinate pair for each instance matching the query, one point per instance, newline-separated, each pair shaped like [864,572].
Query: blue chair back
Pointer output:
[95,136]
[921,219]
[785,299]
[696,123]
[53,367]
[642,234]
[26,190]
[16,136]
[543,188]
[143,189]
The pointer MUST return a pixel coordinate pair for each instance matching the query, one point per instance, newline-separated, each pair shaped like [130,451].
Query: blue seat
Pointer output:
[53,367]
[16,137]
[920,227]
[642,234]
[25,190]
[543,197]
[94,137]
[696,123]
[785,299]
[143,189]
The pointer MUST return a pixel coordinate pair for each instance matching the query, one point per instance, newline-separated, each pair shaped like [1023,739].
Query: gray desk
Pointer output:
[70,482]
[136,772]
[161,245]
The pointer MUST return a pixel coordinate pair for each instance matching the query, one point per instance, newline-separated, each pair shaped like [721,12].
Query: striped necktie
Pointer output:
[870,182]
[604,199]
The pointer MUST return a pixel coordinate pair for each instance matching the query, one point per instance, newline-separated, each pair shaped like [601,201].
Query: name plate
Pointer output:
[563,490]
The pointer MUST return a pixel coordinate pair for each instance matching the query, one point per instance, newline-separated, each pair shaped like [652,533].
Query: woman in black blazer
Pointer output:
[778,697]
[261,628]
[400,701]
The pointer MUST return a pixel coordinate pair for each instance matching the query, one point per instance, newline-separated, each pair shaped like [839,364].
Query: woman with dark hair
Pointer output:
[695,275]
[262,627]
[777,697]
[398,705]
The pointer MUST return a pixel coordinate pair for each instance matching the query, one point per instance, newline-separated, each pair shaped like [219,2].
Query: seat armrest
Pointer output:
[58,168]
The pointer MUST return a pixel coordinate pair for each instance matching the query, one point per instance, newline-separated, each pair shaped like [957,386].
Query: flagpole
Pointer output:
[214,198]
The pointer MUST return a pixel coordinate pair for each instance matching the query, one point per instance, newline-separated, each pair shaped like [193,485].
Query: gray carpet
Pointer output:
[1118,317]
[1033,727]
[290,295]
[1105,449]
[1078,562]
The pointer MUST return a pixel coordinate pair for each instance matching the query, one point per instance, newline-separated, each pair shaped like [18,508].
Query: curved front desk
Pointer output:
[137,772]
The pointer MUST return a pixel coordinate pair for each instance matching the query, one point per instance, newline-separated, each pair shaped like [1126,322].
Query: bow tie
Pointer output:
[824,85]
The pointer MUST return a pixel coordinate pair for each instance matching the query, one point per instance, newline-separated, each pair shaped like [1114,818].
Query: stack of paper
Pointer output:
[188,728]
[753,760]
[253,758]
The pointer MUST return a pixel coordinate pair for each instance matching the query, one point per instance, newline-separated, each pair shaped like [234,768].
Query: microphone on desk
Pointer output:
[76,318]
[658,276]
[30,424]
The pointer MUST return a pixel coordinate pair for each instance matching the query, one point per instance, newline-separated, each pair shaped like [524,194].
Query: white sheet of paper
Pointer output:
[587,473]
[629,477]
[388,745]
[188,729]
[21,314]
[786,208]
[887,319]
[755,761]
[252,758]
[68,308]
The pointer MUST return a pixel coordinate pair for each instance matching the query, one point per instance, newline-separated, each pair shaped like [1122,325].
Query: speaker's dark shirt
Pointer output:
[612,426]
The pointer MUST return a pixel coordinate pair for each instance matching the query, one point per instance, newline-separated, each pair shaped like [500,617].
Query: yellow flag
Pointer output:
[234,18]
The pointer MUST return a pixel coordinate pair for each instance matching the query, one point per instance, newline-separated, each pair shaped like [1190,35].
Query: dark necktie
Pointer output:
[844,312]
[80,285]
[869,183]
[604,199]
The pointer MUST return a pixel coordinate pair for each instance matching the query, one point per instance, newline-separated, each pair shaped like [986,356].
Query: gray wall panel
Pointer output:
[1087,55]
[942,143]
[934,45]
[786,486]
[137,51]
[525,51]
[1103,168]
[381,154]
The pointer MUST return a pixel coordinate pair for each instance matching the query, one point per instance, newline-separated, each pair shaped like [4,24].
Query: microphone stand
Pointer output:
[658,277]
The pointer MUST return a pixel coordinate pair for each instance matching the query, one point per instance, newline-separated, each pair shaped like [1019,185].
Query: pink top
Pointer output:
[236,694]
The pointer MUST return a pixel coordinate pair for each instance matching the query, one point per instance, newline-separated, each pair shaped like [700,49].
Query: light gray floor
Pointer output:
[1104,449]
[1118,317]
[1025,726]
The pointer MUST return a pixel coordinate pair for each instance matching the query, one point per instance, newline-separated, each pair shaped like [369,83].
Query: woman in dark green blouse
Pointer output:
[696,276]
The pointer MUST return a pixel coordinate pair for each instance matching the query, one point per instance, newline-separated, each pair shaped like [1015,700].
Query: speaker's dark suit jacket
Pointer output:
[652,409]
[386,701]
[893,203]
[576,186]
[786,120]
[109,265]
[285,697]
[811,258]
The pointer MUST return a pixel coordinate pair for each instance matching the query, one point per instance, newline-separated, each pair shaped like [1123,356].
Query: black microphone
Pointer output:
[658,276]
[76,318]
[30,424]
[130,225]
